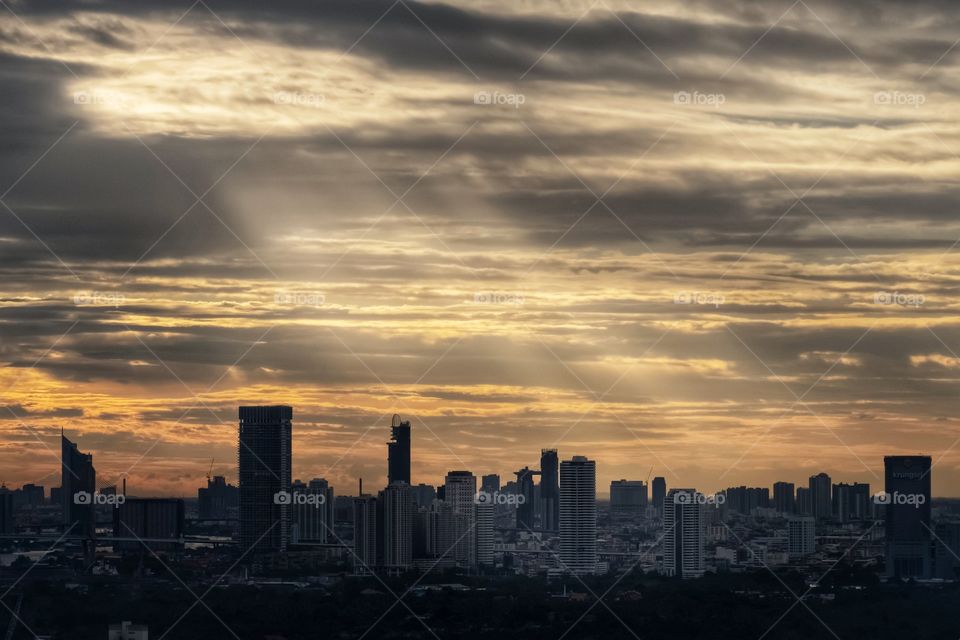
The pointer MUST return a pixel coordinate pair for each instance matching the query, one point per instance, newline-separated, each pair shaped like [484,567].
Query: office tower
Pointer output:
[628,497]
[526,506]
[396,510]
[490,483]
[821,503]
[157,522]
[398,452]
[423,495]
[851,501]
[783,497]
[313,512]
[683,533]
[218,500]
[460,491]
[364,534]
[264,454]
[946,559]
[484,520]
[804,505]
[549,490]
[578,515]
[801,535]
[907,495]
[659,489]
[6,511]
[79,486]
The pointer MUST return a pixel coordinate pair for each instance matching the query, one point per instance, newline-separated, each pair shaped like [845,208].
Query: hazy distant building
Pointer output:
[683,534]
[396,521]
[821,502]
[578,515]
[460,490]
[804,504]
[659,491]
[423,495]
[313,514]
[907,496]
[264,455]
[851,501]
[364,534]
[148,524]
[526,506]
[490,483]
[79,485]
[801,535]
[783,497]
[549,490]
[746,499]
[628,497]
[218,500]
[398,452]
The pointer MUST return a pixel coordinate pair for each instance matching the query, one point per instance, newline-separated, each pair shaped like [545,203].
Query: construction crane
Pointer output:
[210,471]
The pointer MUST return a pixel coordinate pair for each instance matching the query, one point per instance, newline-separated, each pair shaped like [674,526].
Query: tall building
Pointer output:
[821,502]
[264,455]
[79,485]
[801,535]
[526,506]
[398,452]
[460,490]
[423,495]
[158,522]
[396,522]
[549,490]
[490,483]
[6,511]
[313,507]
[484,519]
[804,504]
[578,515]
[746,499]
[218,500]
[364,533]
[783,497]
[683,534]
[851,501]
[907,496]
[628,497]
[659,490]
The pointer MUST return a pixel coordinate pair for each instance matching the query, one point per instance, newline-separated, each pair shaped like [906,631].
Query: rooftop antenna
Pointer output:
[361,486]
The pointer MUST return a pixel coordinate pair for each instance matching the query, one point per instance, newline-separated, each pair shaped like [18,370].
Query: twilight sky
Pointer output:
[715,239]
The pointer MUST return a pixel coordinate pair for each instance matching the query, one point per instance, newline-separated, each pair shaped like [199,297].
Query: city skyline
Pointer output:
[722,238]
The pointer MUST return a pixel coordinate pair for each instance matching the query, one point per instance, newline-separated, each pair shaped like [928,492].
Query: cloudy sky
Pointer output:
[711,240]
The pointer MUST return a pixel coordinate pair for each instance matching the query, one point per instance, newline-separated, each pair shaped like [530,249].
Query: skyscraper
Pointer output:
[628,497]
[801,535]
[79,484]
[683,534]
[821,502]
[396,509]
[313,511]
[549,490]
[803,503]
[484,519]
[851,501]
[398,452]
[578,515]
[907,496]
[364,533]
[264,455]
[460,490]
[659,488]
[6,511]
[526,506]
[783,497]
[490,483]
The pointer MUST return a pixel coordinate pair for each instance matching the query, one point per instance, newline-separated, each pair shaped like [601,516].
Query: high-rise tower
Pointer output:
[264,455]
[398,451]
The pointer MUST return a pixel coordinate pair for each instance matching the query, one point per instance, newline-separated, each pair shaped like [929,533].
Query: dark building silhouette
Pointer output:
[366,541]
[218,500]
[490,483]
[79,486]
[746,499]
[6,511]
[851,501]
[821,502]
[526,507]
[549,490]
[659,489]
[628,497]
[264,456]
[398,452]
[804,505]
[947,550]
[423,495]
[149,523]
[578,515]
[312,514]
[783,497]
[907,496]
